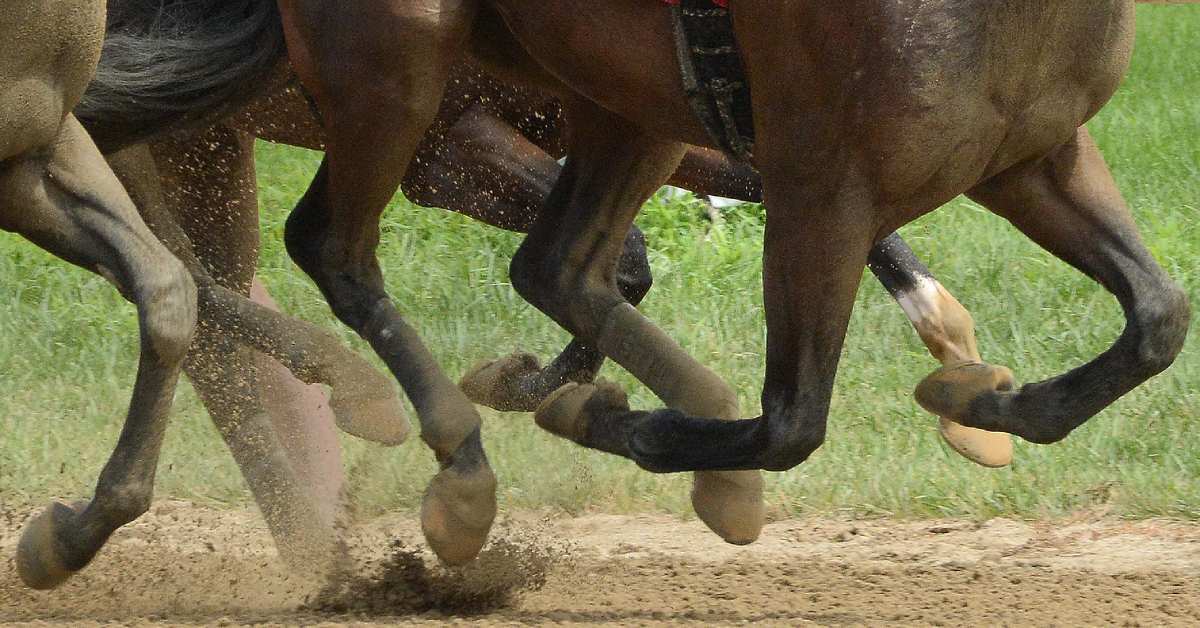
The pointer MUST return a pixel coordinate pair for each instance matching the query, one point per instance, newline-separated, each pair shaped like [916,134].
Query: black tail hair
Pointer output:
[168,63]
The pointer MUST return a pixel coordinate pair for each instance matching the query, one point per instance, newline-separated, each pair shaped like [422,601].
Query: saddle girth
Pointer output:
[714,79]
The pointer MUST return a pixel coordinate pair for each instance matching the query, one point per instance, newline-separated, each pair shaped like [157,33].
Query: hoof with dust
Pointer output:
[568,410]
[382,421]
[730,503]
[40,560]
[949,391]
[457,513]
[497,383]
[988,449]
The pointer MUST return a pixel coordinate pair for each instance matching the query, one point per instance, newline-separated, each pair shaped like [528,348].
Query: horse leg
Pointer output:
[68,202]
[484,168]
[566,268]
[948,331]
[222,372]
[943,324]
[375,111]
[309,352]
[1069,204]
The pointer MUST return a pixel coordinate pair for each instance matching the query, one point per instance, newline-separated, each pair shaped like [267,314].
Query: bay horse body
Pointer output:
[868,114]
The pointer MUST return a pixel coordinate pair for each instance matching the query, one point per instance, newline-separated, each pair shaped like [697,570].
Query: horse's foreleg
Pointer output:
[224,374]
[1069,204]
[69,202]
[377,74]
[566,268]
[943,324]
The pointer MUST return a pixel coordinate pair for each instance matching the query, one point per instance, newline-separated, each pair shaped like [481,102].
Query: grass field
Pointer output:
[68,347]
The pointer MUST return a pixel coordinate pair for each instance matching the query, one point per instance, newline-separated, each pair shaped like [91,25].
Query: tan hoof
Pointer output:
[39,559]
[382,421]
[730,503]
[949,391]
[989,449]
[566,411]
[494,383]
[457,513]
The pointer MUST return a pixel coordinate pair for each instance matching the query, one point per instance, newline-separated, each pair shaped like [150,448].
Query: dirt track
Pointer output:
[188,565]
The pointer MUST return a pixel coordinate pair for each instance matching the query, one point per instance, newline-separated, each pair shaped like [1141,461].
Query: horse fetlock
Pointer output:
[448,423]
[119,504]
[457,511]
[790,447]
[1162,327]
[703,393]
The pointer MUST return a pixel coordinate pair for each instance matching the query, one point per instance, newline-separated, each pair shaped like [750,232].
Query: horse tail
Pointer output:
[168,63]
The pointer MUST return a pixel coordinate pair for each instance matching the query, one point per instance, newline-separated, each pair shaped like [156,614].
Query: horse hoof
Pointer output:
[457,513]
[989,449]
[40,561]
[949,391]
[496,384]
[730,503]
[382,421]
[568,410]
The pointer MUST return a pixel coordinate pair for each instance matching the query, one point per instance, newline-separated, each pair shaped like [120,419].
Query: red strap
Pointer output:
[720,3]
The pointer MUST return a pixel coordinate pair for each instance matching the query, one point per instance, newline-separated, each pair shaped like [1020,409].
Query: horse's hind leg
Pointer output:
[69,202]
[1069,204]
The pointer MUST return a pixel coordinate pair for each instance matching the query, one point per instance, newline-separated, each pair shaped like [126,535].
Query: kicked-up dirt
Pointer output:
[184,564]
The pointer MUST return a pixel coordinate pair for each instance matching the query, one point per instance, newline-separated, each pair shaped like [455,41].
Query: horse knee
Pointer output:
[124,502]
[793,445]
[168,305]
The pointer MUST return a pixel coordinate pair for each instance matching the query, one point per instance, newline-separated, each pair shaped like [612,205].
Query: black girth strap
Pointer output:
[713,77]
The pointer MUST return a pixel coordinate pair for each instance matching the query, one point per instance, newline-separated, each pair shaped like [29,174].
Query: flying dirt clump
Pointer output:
[404,583]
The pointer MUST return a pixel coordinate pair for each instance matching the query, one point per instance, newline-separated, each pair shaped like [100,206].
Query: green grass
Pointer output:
[68,346]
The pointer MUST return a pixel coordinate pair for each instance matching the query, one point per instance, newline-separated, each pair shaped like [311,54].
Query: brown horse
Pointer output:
[868,115]
[205,177]
[56,190]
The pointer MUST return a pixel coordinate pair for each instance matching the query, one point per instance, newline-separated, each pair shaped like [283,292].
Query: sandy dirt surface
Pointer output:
[187,565]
